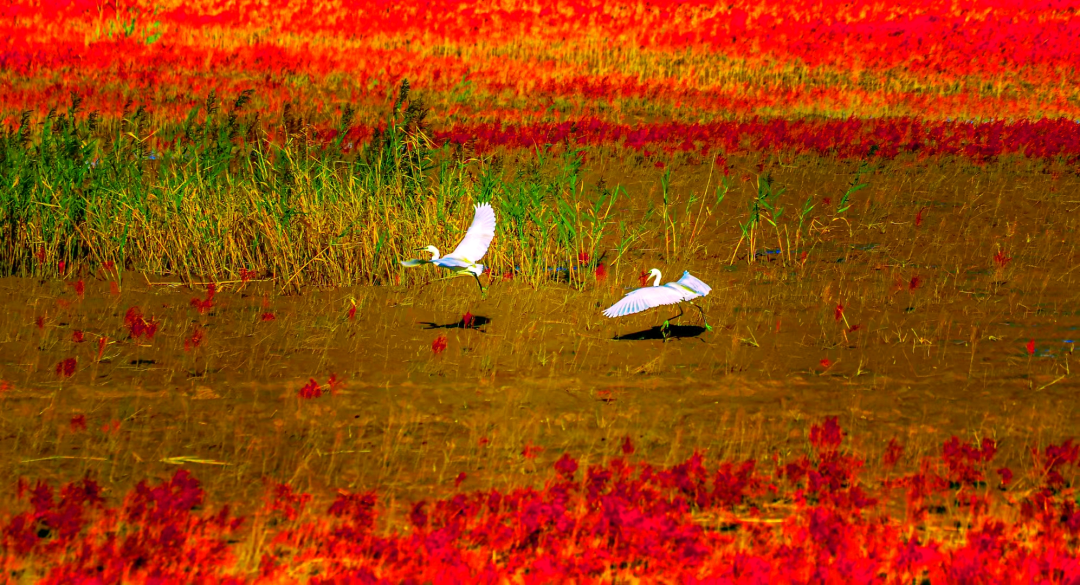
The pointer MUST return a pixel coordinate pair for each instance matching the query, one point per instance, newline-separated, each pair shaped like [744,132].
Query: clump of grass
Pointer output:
[217,198]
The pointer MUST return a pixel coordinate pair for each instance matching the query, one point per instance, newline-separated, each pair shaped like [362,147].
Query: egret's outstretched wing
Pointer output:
[694,284]
[477,239]
[645,298]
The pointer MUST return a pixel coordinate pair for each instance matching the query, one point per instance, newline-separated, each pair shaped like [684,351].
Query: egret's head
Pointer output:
[434,251]
[654,273]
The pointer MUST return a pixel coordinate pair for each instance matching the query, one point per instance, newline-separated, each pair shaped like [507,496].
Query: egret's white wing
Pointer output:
[452,261]
[694,284]
[477,239]
[641,299]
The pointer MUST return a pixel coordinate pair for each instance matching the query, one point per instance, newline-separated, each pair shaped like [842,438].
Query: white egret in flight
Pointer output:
[672,293]
[463,261]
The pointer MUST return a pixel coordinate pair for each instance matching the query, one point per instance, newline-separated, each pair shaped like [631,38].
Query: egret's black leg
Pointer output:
[667,323]
[478,283]
[673,317]
[707,326]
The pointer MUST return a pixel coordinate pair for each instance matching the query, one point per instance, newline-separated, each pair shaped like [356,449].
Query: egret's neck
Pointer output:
[657,281]
[434,252]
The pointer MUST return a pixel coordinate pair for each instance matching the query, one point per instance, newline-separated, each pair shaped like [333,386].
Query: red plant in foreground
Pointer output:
[77,336]
[600,272]
[698,521]
[1031,347]
[267,316]
[467,320]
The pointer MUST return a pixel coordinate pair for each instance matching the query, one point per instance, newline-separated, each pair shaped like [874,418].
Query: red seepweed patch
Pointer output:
[439,345]
[78,423]
[66,367]
[530,451]
[195,339]
[622,519]
[600,272]
[1002,259]
[205,304]
[310,390]
[137,324]
[335,385]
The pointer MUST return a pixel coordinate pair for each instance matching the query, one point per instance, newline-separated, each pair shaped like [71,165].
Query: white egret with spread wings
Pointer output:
[673,293]
[465,258]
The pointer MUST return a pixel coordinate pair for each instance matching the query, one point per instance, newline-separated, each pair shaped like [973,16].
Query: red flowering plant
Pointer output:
[695,521]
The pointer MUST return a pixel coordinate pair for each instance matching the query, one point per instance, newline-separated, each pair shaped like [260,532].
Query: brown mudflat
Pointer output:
[962,325]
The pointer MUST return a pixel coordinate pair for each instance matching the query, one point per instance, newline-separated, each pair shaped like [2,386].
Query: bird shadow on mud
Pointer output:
[673,332]
[474,322]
